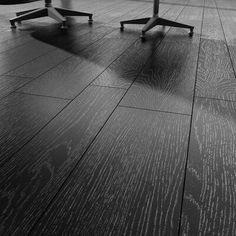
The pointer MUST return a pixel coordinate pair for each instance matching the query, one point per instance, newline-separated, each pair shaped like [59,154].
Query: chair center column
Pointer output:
[48,3]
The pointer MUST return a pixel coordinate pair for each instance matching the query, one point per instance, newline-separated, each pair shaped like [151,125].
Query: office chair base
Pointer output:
[154,21]
[57,14]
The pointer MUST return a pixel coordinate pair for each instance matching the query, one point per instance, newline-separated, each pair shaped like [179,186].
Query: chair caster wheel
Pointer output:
[63,25]
[90,21]
[13,25]
[121,27]
[190,33]
[142,37]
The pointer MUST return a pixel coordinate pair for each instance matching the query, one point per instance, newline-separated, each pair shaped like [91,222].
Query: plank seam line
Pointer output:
[92,141]
[153,110]
[50,119]
[60,61]
[190,126]
[71,99]
[41,95]
[50,50]
[14,47]
[106,86]
[218,99]
[157,46]
[34,78]
[54,49]
[201,6]
[226,42]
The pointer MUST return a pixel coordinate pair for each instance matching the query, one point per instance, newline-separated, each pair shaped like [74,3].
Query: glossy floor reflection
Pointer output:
[102,134]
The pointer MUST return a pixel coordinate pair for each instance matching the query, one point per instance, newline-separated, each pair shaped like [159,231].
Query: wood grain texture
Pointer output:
[33,176]
[140,10]
[22,116]
[40,65]
[167,82]
[120,10]
[228,19]
[9,84]
[13,42]
[73,41]
[180,2]
[228,4]
[210,191]
[69,78]
[18,56]
[216,78]
[68,44]
[6,34]
[125,69]
[199,3]
[211,26]
[210,3]
[215,75]
[128,183]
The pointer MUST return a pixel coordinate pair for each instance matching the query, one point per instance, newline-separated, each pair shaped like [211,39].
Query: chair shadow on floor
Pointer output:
[166,58]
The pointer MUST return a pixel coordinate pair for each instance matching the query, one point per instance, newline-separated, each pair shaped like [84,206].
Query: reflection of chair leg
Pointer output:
[31,15]
[135,21]
[54,14]
[24,12]
[150,24]
[160,21]
[165,22]
[67,12]
[153,21]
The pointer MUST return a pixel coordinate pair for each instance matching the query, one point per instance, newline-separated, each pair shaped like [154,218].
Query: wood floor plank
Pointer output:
[22,116]
[229,4]
[210,3]
[68,45]
[124,70]
[180,2]
[11,35]
[9,84]
[215,75]
[137,11]
[228,19]
[196,3]
[167,82]
[30,26]
[33,176]
[210,190]
[9,60]
[120,9]
[128,183]
[73,41]
[40,65]
[13,42]
[69,78]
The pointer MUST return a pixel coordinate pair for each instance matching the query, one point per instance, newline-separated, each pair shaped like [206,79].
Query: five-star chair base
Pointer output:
[57,14]
[154,21]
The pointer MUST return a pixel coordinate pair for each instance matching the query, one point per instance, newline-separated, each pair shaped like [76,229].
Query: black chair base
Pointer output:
[154,21]
[57,14]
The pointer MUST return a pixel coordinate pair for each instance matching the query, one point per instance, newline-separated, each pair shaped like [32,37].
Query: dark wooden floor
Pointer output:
[101,134]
